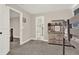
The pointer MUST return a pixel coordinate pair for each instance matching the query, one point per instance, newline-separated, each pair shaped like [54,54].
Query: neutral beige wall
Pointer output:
[56,15]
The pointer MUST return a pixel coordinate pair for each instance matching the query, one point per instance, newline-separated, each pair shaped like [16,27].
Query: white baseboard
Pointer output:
[45,40]
[41,39]
[31,39]
[25,41]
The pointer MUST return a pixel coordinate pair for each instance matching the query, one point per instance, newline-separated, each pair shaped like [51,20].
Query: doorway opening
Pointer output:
[14,29]
[40,28]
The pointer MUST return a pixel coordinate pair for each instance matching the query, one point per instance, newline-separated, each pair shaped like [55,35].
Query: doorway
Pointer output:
[15,18]
[40,28]
[14,29]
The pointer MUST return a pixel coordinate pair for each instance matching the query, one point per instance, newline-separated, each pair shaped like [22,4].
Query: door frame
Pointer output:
[21,17]
[36,27]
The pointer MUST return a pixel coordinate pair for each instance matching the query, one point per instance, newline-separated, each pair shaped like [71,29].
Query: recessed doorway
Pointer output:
[14,29]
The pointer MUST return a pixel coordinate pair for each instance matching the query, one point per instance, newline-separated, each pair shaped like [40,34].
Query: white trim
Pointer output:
[25,41]
[32,38]
[41,40]
[21,16]
[14,9]
[28,40]
[45,40]
[21,27]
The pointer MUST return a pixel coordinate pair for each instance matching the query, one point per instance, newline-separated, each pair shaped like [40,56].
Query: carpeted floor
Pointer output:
[15,43]
[41,48]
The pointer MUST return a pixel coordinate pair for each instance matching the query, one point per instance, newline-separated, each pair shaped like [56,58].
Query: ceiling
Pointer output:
[43,8]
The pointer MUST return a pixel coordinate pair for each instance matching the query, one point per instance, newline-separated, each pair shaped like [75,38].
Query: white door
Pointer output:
[40,28]
[4,28]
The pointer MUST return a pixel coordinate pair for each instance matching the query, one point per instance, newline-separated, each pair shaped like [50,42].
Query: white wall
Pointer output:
[26,31]
[29,30]
[33,29]
[4,28]
[56,15]
[15,24]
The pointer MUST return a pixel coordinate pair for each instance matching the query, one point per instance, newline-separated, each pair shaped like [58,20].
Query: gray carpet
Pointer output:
[15,43]
[41,48]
